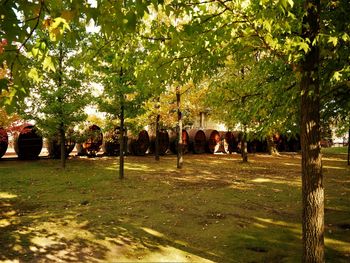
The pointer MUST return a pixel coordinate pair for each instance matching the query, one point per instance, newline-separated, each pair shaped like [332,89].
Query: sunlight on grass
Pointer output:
[292,164]
[5,195]
[4,223]
[166,254]
[292,226]
[42,242]
[215,208]
[152,232]
[283,181]
[120,245]
[338,245]
[132,167]
[262,180]
[259,225]
[334,167]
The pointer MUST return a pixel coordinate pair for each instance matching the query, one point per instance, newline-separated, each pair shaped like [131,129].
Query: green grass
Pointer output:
[214,209]
[335,150]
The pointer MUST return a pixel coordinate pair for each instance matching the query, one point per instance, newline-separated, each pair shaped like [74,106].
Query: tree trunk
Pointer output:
[312,178]
[61,131]
[349,146]
[156,146]
[121,141]
[271,146]
[63,146]
[244,150]
[179,130]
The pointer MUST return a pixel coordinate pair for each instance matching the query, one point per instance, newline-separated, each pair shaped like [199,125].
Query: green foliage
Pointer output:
[176,42]
[58,92]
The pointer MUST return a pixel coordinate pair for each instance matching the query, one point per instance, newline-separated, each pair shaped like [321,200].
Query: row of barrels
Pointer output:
[28,143]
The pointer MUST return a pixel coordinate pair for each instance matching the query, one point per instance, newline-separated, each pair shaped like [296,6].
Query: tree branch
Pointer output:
[28,37]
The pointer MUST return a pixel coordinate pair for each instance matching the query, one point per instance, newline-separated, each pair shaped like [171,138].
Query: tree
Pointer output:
[312,178]
[279,29]
[192,40]
[115,66]
[21,22]
[57,99]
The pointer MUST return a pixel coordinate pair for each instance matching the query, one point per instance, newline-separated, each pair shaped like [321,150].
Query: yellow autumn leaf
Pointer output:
[47,22]
[3,73]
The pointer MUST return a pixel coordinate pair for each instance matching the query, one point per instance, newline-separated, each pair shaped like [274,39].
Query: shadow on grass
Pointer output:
[27,236]
[214,209]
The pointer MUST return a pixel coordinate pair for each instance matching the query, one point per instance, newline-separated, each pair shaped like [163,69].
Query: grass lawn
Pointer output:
[335,150]
[216,209]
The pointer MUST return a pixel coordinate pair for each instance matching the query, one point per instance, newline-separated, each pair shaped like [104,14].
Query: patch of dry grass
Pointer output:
[214,209]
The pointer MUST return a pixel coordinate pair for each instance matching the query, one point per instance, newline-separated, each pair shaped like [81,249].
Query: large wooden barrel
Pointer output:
[198,141]
[140,144]
[287,143]
[28,143]
[174,141]
[230,141]
[213,141]
[163,142]
[293,144]
[93,141]
[111,143]
[257,146]
[4,141]
[54,147]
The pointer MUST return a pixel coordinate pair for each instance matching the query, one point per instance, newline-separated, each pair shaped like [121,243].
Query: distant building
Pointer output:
[203,121]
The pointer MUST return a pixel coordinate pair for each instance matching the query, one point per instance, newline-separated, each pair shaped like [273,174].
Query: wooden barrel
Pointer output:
[229,141]
[28,143]
[287,143]
[174,141]
[54,147]
[4,141]
[213,141]
[80,150]
[257,146]
[140,144]
[111,143]
[94,140]
[163,142]
[293,144]
[281,142]
[198,141]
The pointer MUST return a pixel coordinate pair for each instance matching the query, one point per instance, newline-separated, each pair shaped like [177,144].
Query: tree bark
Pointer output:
[63,146]
[244,150]
[156,146]
[179,130]
[271,146]
[62,133]
[349,146]
[312,178]
[121,141]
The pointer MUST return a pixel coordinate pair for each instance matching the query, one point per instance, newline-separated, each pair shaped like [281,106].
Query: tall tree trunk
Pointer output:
[121,141]
[271,146]
[62,133]
[312,178]
[156,146]
[349,146]
[62,140]
[244,150]
[179,130]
